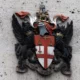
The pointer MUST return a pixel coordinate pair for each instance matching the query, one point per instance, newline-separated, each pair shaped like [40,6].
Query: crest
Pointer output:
[43,44]
[45,50]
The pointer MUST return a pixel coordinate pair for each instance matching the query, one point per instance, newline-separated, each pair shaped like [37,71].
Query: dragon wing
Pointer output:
[17,30]
[68,32]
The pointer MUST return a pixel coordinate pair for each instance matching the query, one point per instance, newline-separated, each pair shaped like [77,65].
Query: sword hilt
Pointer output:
[39,42]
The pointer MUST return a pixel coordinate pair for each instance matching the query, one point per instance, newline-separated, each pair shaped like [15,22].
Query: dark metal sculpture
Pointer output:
[42,39]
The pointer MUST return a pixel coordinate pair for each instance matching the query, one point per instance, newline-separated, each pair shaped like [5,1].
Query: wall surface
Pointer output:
[8,61]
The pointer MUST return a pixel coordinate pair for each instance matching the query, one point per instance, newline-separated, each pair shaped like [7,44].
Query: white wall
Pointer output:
[8,61]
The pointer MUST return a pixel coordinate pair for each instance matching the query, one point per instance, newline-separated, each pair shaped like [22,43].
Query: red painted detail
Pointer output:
[45,42]
[22,14]
[46,57]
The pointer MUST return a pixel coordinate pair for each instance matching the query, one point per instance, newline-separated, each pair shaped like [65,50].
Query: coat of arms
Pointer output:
[43,43]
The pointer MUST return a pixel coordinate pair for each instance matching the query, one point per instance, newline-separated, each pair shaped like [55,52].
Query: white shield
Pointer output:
[45,55]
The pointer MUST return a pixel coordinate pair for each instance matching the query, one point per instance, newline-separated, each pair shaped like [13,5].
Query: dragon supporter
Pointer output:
[63,35]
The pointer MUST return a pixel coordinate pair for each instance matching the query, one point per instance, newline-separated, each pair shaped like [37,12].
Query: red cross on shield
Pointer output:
[45,50]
